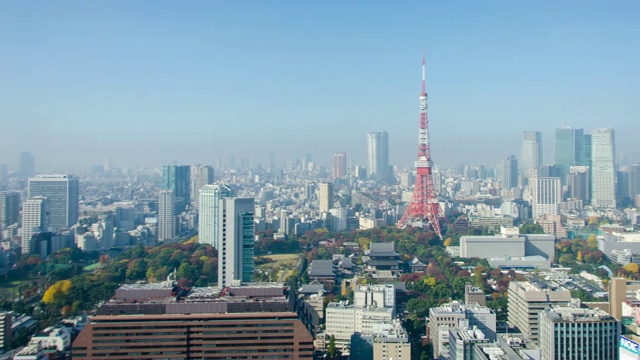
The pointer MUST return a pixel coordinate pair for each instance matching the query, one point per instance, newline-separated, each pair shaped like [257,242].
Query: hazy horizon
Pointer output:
[151,83]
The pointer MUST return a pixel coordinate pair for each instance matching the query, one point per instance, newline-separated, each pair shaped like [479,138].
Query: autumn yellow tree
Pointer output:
[579,257]
[447,242]
[592,242]
[56,291]
[632,268]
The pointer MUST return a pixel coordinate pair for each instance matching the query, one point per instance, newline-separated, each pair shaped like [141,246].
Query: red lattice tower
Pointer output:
[424,204]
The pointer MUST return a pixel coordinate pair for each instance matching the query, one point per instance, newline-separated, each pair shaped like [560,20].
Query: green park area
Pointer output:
[277,267]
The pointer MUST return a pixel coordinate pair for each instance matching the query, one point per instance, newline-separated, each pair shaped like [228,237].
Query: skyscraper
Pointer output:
[339,169]
[236,229]
[166,215]
[208,223]
[546,196]
[35,219]
[508,172]
[634,180]
[579,183]
[378,156]
[531,152]
[603,180]
[569,150]
[63,193]
[9,208]
[325,196]
[201,175]
[27,164]
[177,179]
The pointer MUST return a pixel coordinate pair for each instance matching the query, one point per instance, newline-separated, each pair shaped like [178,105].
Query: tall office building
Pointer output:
[569,148]
[9,208]
[201,175]
[378,156]
[208,223]
[579,183]
[584,158]
[603,179]
[178,179]
[339,169]
[546,196]
[508,172]
[634,180]
[325,196]
[63,193]
[236,229]
[166,228]
[27,164]
[35,219]
[527,301]
[577,333]
[531,152]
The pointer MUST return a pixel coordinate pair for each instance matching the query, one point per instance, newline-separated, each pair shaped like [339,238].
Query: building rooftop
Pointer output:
[574,314]
[321,268]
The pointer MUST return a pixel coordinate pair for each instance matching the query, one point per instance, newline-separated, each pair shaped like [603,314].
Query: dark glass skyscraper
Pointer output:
[178,179]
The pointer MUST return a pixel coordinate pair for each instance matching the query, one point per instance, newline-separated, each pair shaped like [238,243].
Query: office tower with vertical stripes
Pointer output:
[236,252]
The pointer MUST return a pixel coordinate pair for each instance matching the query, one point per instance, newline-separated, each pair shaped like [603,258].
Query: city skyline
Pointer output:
[181,95]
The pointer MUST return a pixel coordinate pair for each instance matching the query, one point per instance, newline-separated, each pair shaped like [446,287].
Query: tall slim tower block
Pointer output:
[236,227]
[325,196]
[27,164]
[603,174]
[569,149]
[35,219]
[424,204]
[208,223]
[63,193]
[339,169]
[531,156]
[508,172]
[166,228]
[378,156]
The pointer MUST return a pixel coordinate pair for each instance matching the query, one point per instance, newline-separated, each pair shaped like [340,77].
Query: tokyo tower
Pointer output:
[424,206]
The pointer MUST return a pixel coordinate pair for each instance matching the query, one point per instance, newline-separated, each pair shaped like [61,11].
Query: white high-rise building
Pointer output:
[603,172]
[378,156]
[34,220]
[531,156]
[325,196]
[63,193]
[546,196]
[236,230]
[210,196]
[166,221]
